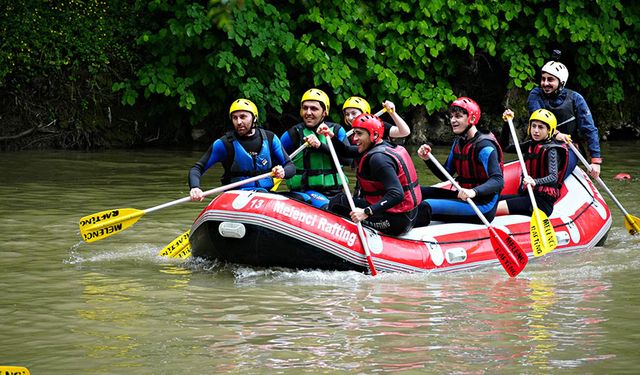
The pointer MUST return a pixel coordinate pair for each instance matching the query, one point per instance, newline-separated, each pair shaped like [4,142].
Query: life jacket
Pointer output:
[373,190]
[536,162]
[470,172]
[240,165]
[565,115]
[315,169]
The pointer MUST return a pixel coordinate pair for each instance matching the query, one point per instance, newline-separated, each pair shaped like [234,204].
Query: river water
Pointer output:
[116,307]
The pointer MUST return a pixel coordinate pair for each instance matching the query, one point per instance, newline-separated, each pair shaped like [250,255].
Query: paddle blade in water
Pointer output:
[632,224]
[543,237]
[107,223]
[508,252]
[178,248]
[182,253]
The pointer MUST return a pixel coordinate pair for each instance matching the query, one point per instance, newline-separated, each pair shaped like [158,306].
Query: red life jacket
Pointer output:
[470,172]
[536,162]
[373,190]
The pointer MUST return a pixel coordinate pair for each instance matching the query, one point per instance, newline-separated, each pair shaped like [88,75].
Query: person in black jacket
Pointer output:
[389,192]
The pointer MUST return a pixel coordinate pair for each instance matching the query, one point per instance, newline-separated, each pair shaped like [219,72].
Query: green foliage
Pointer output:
[45,38]
[200,56]
[412,52]
[58,60]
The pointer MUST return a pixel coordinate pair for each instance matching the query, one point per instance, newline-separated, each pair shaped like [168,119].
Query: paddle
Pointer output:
[104,224]
[632,223]
[181,248]
[543,237]
[347,192]
[508,251]
[278,181]
[178,248]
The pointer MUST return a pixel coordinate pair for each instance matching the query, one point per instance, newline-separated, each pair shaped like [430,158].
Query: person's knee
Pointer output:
[424,214]
[318,200]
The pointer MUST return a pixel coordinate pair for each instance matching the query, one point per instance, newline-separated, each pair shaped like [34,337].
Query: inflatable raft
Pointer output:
[271,230]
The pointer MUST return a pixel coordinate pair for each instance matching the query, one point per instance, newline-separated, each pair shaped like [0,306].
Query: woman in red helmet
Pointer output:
[476,161]
[389,191]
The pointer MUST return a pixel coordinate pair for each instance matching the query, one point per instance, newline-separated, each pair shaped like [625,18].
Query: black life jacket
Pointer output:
[565,114]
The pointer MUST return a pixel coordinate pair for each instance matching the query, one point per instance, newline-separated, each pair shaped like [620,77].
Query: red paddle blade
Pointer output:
[511,256]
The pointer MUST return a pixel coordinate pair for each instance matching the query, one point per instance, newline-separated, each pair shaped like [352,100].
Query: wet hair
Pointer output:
[456,109]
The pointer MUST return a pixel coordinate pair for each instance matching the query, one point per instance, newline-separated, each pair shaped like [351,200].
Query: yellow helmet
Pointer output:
[545,116]
[244,105]
[358,103]
[317,95]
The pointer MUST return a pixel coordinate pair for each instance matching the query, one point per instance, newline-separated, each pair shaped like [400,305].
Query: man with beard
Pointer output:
[317,178]
[389,192]
[244,152]
[571,111]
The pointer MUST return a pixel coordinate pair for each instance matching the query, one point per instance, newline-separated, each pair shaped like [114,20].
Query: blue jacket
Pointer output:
[586,127]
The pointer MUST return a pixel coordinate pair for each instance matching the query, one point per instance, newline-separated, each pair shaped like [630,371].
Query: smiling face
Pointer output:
[312,113]
[242,122]
[459,122]
[549,83]
[361,139]
[350,114]
[539,130]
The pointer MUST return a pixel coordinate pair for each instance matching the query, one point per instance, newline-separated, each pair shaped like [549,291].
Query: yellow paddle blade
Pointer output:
[178,248]
[19,370]
[543,237]
[182,253]
[632,224]
[107,223]
[276,183]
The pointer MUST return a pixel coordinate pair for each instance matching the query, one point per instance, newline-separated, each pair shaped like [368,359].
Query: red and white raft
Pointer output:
[270,230]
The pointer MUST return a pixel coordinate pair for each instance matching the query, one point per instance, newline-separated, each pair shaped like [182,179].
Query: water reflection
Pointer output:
[281,319]
[116,307]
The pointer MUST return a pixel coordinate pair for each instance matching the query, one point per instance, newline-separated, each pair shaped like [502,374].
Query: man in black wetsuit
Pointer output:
[389,191]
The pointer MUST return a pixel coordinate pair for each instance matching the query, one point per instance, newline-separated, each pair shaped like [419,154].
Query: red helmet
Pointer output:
[370,123]
[472,108]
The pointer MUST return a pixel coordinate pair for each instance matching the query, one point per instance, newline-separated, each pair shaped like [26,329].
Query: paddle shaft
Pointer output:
[457,186]
[305,145]
[602,184]
[543,237]
[516,144]
[210,192]
[504,246]
[347,192]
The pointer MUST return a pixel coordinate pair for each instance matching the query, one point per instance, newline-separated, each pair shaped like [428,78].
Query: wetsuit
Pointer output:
[244,157]
[483,157]
[317,178]
[574,118]
[390,170]
[548,177]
